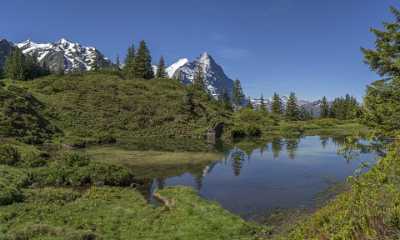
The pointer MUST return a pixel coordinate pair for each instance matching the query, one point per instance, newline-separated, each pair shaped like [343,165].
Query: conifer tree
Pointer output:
[381,103]
[249,104]
[225,99]
[142,64]
[117,63]
[324,108]
[237,93]
[198,79]
[129,68]
[277,105]
[161,71]
[15,66]
[263,105]
[292,109]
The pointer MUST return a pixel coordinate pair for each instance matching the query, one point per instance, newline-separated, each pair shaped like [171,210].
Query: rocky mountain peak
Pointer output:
[215,78]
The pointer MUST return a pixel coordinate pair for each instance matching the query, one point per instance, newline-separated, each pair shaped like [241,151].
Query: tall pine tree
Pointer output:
[237,93]
[324,108]
[198,79]
[142,65]
[277,105]
[161,70]
[263,105]
[292,109]
[382,102]
[129,68]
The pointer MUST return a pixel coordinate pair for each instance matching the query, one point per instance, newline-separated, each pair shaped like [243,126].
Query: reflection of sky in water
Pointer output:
[259,182]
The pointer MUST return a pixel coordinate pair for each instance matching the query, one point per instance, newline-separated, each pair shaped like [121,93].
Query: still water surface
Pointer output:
[282,173]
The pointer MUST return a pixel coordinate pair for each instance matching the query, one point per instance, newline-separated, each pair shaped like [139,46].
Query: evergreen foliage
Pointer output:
[129,68]
[263,105]
[117,63]
[292,109]
[382,102]
[142,63]
[277,105]
[198,80]
[161,69]
[225,100]
[237,93]
[324,111]
[345,108]
[23,67]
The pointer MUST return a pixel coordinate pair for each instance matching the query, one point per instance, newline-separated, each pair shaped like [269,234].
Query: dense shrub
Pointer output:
[21,116]
[9,155]
[77,170]
[9,193]
[11,182]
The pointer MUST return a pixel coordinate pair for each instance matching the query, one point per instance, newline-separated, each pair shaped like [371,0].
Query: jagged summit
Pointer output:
[64,55]
[215,78]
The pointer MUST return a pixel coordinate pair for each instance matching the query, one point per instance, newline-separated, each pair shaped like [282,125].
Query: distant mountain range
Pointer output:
[67,56]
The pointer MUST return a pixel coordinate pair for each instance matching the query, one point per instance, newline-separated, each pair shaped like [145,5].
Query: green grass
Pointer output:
[120,213]
[148,164]
[99,107]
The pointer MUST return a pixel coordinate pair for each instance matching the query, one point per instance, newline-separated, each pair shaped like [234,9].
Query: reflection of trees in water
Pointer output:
[237,158]
[198,179]
[291,147]
[324,141]
[351,147]
[276,146]
[263,149]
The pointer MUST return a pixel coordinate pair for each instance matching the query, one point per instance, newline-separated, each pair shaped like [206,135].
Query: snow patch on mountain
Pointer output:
[64,55]
[215,78]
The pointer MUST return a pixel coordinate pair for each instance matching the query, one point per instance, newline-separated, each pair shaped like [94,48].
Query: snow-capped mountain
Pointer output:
[64,55]
[215,78]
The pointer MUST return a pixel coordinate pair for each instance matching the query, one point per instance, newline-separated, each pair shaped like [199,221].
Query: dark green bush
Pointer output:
[77,170]
[9,193]
[9,155]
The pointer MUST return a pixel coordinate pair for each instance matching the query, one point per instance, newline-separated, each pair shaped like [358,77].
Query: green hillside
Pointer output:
[104,107]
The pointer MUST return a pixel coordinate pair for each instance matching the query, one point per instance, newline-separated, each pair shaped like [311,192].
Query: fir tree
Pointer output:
[225,99]
[161,71]
[381,103]
[304,115]
[117,63]
[263,105]
[292,109]
[129,68]
[237,93]
[249,104]
[277,105]
[142,64]
[198,79]
[324,108]
[15,65]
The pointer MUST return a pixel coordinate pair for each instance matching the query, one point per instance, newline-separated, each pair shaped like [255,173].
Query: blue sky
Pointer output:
[311,47]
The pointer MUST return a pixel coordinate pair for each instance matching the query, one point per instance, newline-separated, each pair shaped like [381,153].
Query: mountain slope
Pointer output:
[215,78]
[95,104]
[65,56]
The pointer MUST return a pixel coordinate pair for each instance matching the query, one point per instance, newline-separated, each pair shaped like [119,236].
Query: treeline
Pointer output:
[19,66]
[342,108]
